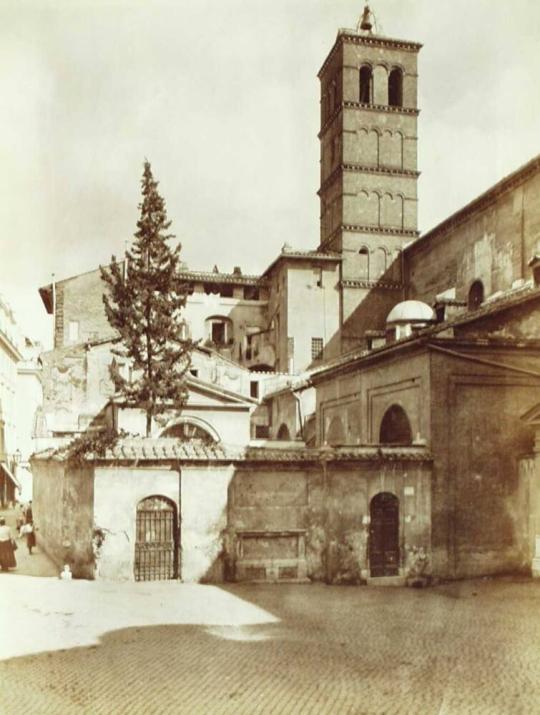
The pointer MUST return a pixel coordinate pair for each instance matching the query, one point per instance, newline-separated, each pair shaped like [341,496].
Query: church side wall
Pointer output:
[360,399]
[480,502]
[291,523]
[492,245]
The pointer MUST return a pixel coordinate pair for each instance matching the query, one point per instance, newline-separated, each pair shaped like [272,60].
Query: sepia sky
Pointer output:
[222,97]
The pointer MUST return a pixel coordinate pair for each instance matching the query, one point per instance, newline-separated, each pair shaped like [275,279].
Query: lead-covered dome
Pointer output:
[411,311]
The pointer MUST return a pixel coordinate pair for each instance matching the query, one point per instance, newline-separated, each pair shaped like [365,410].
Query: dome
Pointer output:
[411,311]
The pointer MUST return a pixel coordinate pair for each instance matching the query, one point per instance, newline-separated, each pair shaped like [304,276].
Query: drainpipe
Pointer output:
[54,308]
[326,453]
[301,421]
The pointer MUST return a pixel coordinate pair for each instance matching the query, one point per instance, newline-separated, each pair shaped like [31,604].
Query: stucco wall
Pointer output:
[225,424]
[327,508]
[118,490]
[63,513]
[350,491]
[204,521]
[480,502]
[312,309]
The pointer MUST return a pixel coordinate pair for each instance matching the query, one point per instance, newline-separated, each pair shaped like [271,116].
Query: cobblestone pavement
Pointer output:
[469,647]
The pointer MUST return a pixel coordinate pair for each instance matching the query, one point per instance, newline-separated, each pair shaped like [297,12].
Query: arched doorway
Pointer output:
[384,535]
[156,540]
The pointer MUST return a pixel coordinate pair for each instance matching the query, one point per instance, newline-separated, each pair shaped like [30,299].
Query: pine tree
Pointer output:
[144,303]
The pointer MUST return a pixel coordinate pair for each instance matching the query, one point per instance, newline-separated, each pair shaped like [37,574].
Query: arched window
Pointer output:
[187,430]
[335,433]
[363,268]
[395,427]
[366,84]
[378,269]
[219,330]
[476,295]
[283,433]
[395,88]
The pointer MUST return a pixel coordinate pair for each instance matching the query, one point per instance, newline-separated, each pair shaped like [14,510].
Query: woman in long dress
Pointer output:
[7,552]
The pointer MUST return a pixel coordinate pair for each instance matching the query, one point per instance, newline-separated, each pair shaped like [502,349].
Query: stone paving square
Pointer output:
[165,647]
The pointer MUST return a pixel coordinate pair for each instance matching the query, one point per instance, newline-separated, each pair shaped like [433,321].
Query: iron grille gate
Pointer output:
[156,546]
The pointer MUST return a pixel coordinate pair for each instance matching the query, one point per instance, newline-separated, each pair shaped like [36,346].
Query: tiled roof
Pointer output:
[510,299]
[287,253]
[211,277]
[145,449]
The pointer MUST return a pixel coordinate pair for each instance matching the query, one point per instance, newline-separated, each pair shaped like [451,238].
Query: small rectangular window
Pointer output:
[251,293]
[226,291]
[262,431]
[316,348]
[254,388]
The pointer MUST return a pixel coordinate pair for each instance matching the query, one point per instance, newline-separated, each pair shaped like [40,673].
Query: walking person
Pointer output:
[29,531]
[28,514]
[7,547]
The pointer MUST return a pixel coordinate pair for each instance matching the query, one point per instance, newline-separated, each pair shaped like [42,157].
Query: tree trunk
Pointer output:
[148,423]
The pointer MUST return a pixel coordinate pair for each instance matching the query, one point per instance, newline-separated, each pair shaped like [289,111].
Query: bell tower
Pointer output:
[368,191]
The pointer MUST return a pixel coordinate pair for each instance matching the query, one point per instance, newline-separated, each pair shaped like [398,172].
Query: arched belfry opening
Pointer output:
[366,84]
[476,295]
[395,427]
[395,88]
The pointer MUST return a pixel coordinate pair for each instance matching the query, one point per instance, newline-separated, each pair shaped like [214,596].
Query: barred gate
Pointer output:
[156,545]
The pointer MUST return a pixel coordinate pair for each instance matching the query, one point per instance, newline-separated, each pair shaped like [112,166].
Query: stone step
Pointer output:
[386,581]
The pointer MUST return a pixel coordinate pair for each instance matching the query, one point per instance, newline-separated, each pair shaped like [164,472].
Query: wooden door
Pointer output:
[384,535]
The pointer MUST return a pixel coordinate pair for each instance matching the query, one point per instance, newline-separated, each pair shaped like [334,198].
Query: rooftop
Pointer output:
[288,253]
[510,299]
[144,449]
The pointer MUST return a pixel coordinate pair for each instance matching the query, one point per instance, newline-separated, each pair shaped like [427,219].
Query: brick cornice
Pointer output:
[355,228]
[353,38]
[362,169]
[371,284]
[384,108]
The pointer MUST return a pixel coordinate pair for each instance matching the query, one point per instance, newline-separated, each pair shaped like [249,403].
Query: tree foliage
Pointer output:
[144,304]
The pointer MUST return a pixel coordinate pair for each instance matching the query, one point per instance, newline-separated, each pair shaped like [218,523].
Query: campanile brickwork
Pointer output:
[369,173]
